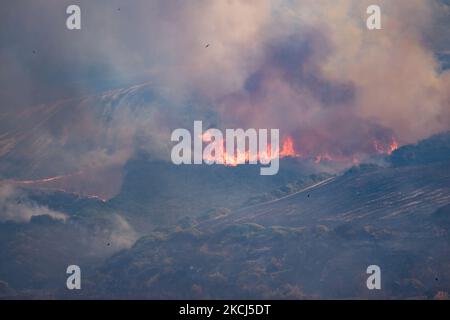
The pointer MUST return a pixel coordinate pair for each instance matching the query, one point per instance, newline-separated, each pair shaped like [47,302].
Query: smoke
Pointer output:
[308,67]
[123,235]
[339,88]
[397,81]
[15,206]
[111,231]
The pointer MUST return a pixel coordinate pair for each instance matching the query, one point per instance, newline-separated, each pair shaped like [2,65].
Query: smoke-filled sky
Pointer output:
[308,67]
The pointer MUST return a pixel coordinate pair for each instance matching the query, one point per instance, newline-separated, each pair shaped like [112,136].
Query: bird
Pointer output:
[207,45]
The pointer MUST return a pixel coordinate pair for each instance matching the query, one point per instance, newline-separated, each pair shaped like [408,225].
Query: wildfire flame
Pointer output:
[287,150]
[383,149]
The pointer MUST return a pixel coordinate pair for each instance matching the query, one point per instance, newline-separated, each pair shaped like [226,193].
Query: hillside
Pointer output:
[228,235]
[315,243]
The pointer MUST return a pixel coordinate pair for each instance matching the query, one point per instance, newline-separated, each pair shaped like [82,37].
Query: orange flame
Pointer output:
[383,149]
[287,150]
[393,146]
